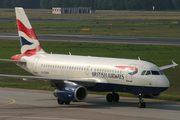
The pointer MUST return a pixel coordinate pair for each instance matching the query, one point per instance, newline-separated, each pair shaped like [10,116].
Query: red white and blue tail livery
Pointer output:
[28,40]
[73,75]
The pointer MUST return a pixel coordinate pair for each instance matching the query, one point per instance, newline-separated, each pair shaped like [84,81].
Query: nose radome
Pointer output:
[163,82]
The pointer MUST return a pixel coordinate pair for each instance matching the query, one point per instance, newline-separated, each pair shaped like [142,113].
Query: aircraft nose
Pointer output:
[163,82]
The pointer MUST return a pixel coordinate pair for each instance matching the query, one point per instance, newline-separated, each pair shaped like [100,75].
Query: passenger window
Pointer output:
[148,72]
[143,72]
[155,72]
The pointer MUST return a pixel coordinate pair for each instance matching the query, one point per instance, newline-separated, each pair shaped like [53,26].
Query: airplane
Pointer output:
[73,75]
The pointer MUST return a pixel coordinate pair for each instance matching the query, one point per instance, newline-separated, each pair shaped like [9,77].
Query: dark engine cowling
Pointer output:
[151,95]
[70,92]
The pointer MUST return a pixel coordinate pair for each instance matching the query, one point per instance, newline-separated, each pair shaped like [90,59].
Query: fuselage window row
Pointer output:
[80,68]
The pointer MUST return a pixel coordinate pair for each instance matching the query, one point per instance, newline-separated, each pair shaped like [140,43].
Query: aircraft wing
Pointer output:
[168,66]
[16,61]
[85,81]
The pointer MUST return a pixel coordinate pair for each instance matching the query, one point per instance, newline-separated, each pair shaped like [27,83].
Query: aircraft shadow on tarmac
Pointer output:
[100,103]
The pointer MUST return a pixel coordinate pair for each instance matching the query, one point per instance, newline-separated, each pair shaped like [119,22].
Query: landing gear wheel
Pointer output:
[116,97]
[112,97]
[109,97]
[142,105]
[67,102]
[60,101]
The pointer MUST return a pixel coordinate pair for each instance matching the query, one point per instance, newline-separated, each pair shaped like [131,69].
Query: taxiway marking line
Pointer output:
[13,101]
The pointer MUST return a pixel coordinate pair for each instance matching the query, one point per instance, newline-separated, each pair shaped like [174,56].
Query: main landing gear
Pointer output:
[114,97]
[141,103]
[60,102]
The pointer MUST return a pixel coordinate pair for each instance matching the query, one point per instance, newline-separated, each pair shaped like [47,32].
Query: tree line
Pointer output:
[95,4]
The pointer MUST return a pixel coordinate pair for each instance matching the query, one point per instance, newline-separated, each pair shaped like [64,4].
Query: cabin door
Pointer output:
[130,72]
[35,65]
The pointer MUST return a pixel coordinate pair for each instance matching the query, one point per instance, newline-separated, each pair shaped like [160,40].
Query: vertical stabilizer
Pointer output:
[28,40]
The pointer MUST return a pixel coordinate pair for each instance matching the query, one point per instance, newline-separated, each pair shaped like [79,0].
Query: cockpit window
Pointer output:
[155,72]
[148,72]
[143,72]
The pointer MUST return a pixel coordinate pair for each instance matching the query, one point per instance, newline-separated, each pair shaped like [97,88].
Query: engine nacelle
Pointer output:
[70,92]
[151,95]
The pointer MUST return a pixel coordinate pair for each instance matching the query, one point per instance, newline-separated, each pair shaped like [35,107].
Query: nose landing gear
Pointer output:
[141,103]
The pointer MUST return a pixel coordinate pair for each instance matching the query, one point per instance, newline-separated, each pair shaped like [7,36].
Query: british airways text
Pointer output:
[107,75]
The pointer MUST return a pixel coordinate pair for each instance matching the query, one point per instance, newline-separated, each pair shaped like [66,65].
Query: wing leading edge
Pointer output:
[168,66]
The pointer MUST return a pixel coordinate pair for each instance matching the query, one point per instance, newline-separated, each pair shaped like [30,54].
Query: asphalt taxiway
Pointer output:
[99,39]
[35,104]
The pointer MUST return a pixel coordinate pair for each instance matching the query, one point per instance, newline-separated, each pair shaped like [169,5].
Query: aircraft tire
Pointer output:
[109,97]
[142,105]
[60,101]
[67,102]
[116,97]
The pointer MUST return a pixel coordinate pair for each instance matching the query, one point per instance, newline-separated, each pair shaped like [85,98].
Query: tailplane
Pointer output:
[28,40]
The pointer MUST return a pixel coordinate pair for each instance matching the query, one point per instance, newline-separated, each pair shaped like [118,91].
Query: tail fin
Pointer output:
[28,40]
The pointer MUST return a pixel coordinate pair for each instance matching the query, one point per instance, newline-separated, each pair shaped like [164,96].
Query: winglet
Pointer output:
[174,63]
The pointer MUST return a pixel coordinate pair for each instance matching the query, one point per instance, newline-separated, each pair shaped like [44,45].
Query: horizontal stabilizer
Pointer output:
[8,60]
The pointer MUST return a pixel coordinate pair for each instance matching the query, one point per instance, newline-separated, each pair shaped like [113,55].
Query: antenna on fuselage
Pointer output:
[139,58]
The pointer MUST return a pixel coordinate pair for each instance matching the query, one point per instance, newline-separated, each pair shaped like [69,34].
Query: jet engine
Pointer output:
[71,92]
[151,95]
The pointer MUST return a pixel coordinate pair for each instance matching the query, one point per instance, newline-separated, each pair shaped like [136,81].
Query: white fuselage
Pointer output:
[103,70]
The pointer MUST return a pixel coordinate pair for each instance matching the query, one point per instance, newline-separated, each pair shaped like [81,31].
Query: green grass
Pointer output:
[159,55]
[126,29]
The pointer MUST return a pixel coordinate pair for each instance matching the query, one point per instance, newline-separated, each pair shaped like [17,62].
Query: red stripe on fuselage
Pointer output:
[28,31]
[127,67]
